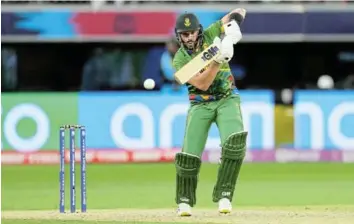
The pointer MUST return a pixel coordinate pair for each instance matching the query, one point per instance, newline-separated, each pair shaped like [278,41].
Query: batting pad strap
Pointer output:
[233,154]
[187,165]
[236,141]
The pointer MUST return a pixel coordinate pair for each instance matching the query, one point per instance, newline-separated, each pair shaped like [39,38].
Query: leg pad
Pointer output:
[187,171]
[233,153]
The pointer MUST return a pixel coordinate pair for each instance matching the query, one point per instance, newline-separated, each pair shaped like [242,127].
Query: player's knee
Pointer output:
[234,146]
[187,164]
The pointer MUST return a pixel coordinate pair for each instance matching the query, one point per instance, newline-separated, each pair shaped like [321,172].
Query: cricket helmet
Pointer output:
[187,22]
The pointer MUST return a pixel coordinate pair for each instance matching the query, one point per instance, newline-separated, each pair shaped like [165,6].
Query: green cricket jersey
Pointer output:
[223,85]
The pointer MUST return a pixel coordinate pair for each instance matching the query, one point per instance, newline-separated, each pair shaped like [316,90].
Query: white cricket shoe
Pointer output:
[225,206]
[184,209]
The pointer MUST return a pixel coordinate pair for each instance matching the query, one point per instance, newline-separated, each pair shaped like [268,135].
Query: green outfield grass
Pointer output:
[151,186]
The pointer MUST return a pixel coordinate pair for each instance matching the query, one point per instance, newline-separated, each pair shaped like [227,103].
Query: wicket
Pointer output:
[72,129]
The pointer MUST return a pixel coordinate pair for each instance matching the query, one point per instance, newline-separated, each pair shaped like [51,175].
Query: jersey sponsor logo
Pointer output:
[212,51]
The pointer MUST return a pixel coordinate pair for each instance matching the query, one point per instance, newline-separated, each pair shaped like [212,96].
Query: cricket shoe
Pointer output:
[184,209]
[225,206]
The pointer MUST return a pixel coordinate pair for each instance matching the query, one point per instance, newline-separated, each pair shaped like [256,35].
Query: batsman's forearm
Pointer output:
[210,73]
[204,80]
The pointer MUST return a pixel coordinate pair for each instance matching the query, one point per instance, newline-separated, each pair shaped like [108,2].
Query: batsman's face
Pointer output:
[189,38]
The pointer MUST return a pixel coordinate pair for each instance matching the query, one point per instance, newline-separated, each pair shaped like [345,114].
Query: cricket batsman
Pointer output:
[214,98]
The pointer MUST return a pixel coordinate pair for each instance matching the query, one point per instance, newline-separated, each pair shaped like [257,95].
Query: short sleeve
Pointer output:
[214,30]
[178,60]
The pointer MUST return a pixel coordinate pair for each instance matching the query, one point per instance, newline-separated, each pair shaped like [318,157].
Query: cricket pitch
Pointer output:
[285,215]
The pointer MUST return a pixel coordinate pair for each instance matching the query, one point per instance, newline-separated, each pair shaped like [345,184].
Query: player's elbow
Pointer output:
[198,83]
[204,87]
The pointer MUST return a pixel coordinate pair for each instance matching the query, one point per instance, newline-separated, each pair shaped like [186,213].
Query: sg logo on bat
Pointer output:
[212,51]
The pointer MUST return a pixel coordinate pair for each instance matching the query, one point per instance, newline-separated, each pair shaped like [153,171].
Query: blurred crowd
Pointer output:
[120,68]
[126,66]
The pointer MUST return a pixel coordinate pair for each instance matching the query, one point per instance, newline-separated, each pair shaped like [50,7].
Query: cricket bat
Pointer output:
[198,63]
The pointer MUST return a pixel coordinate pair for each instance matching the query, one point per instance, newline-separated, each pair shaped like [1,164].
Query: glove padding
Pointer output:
[232,29]
[226,49]
[217,42]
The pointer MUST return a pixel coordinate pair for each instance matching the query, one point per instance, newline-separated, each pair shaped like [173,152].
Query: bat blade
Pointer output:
[197,64]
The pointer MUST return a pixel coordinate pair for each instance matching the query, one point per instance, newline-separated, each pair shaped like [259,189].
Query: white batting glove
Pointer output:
[226,50]
[232,29]
[217,42]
